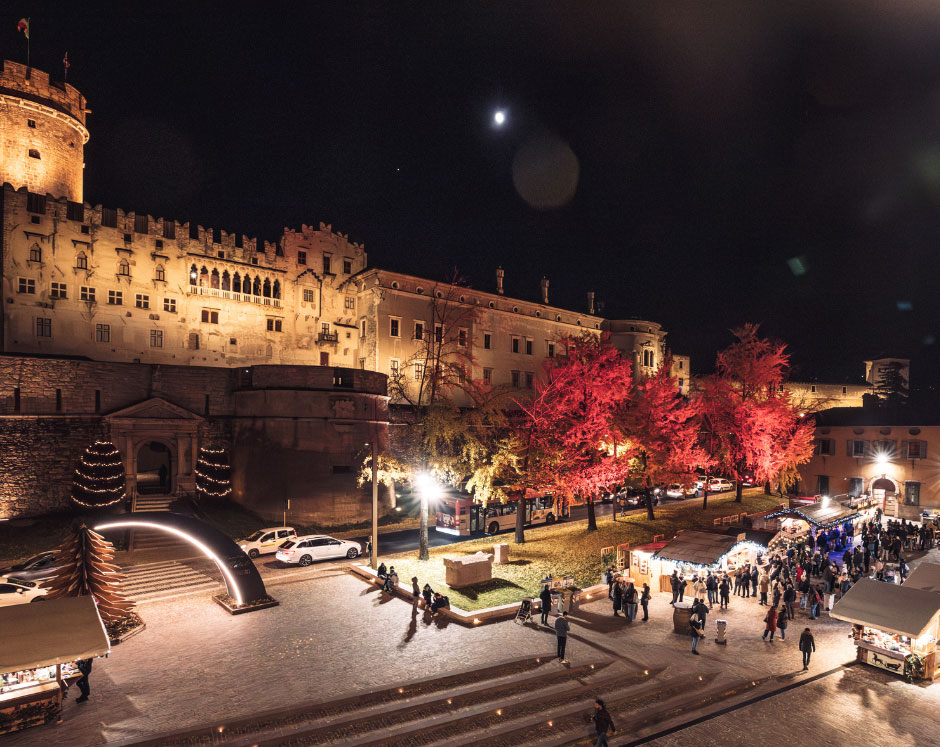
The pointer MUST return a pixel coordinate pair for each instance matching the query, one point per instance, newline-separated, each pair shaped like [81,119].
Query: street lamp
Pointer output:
[430,490]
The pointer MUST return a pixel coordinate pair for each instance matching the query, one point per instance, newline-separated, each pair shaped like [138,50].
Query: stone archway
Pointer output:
[156,463]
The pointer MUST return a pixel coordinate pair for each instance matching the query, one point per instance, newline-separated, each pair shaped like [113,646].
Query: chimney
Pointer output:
[590,302]
[545,290]
[500,274]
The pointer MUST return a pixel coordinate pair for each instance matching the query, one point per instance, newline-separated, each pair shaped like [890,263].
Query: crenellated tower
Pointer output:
[42,132]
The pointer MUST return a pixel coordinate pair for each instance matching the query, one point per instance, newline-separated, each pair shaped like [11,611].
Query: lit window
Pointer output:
[394,327]
[86,293]
[143,301]
[169,304]
[25,285]
[43,327]
[59,290]
[102,333]
[116,298]
[350,302]
[156,338]
[308,295]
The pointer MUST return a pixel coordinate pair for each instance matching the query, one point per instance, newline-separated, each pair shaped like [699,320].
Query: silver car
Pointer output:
[37,568]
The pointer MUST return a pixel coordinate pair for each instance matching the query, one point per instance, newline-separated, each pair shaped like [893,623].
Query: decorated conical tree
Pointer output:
[85,568]
[213,473]
[99,478]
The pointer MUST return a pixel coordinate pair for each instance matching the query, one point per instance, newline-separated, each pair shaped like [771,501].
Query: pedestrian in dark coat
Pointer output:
[84,666]
[645,600]
[562,626]
[724,591]
[618,599]
[782,622]
[675,582]
[807,646]
[602,723]
[754,577]
[545,597]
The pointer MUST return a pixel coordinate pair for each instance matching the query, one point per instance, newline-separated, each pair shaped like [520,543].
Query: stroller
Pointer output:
[524,614]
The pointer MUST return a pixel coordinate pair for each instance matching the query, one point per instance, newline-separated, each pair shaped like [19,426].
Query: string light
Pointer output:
[748,544]
[791,512]
[100,472]
[218,485]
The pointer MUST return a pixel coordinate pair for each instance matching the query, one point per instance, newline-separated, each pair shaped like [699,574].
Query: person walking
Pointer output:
[545,599]
[602,723]
[644,601]
[698,630]
[807,646]
[764,585]
[789,597]
[813,600]
[770,620]
[782,622]
[84,666]
[562,627]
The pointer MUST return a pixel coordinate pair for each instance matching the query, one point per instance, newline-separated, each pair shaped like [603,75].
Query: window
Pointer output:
[308,295]
[43,327]
[462,338]
[911,493]
[419,330]
[102,333]
[33,153]
[856,448]
[109,217]
[301,258]
[529,380]
[324,359]
[210,316]
[394,327]
[551,350]
[856,486]
[885,449]
[31,123]
[59,290]
[487,341]
[81,261]
[438,333]
[343,377]
[86,293]
[169,304]
[143,301]
[419,371]
[254,260]
[58,408]
[327,259]
[35,254]
[845,390]
[274,325]
[915,449]
[515,344]
[124,268]
[159,273]
[347,266]
[393,369]
[528,346]
[34,219]
[25,285]
[35,203]
[169,230]
[487,375]
[362,327]
[156,338]
[648,358]
[141,224]
[822,484]
[812,388]
[824,446]
[515,378]
[350,302]
[681,382]
[116,298]
[192,341]
[681,365]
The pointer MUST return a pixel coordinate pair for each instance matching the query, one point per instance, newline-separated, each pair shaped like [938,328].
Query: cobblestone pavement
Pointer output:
[335,636]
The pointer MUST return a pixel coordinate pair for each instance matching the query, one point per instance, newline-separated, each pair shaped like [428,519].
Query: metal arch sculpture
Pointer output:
[242,579]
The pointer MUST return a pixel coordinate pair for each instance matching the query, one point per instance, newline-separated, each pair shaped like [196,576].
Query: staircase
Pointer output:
[150,539]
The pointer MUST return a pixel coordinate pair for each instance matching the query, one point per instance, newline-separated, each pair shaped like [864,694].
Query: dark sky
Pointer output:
[734,163]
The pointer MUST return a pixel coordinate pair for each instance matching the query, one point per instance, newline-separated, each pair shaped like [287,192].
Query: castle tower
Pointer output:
[42,132]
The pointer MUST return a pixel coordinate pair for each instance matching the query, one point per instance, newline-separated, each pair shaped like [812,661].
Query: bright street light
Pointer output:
[499,117]
[428,487]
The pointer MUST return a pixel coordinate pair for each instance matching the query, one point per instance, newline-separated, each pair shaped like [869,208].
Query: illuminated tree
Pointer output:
[754,425]
[213,473]
[99,478]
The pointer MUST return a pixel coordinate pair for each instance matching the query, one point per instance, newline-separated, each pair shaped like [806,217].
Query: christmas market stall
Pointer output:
[925,576]
[694,553]
[40,646]
[825,519]
[894,628]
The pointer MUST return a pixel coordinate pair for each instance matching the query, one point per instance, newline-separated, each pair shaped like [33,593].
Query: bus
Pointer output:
[463,516]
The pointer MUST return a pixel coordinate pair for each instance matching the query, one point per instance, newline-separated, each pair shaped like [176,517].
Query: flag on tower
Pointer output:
[66,65]
[23,26]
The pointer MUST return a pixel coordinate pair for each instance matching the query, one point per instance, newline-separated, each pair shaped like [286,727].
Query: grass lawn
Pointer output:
[565,549]
[22,538]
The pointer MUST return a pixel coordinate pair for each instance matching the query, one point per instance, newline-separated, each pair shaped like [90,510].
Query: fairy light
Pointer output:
[208,484]
[795,512]
[101,456]
[737,547]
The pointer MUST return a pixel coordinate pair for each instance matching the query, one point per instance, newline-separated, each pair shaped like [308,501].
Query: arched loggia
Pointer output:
[242,579]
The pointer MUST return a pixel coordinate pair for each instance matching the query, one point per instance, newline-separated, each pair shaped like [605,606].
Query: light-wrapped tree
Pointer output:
[99,478]
[213,473]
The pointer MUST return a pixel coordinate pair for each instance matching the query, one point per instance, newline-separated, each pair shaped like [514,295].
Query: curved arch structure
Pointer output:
[242,579]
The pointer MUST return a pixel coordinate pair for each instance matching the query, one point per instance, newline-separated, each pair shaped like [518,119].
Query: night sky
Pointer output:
[697,164]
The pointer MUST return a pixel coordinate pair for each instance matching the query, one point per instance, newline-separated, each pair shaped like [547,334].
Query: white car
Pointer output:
[305,550]
[266,541]
[677,490]
[19,591]
[720,485]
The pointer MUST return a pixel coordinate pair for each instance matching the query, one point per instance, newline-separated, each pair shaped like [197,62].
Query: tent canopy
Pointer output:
[699,548]
[896,609]
[819,514]
[53,631]
[926,576]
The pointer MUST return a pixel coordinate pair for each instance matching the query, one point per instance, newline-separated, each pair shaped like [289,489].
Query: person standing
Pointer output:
[807,646]
[602,723]
[645,600]
[561,632]
[724,591]
[789,597]
[711,586]
[698,630]
[782,622]
[84,666]
[755,575]
[618,599]
[674,583]
[770,620]
[764,585]
[630,599]
[545,599]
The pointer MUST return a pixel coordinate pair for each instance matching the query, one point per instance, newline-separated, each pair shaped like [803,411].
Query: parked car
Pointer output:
[720,485]
[20,591]
[636,498]
[266,541]
[678,490]
[305,550]
[748,480]
[37,568]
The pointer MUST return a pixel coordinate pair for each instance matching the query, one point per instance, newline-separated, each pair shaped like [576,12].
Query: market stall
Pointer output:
[925,576]
[694,553]
[39,647]
[895,627]
[798,523]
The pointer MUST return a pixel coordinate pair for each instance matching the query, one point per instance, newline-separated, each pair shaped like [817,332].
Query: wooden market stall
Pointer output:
[796,523]
[895,627]
[692,552]
[925,576]
[39,647]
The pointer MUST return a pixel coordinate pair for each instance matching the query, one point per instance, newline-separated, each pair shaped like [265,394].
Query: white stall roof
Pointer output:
[53,631]
[926,576]
[896,609]
[700,548]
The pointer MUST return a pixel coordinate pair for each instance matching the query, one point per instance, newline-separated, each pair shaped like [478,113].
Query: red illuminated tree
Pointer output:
[753,424]
[574,441]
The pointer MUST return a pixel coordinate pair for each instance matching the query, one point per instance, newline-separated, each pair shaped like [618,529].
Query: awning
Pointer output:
[821,515]
[896,609]
[926,576]
[54,631]
[699,548]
